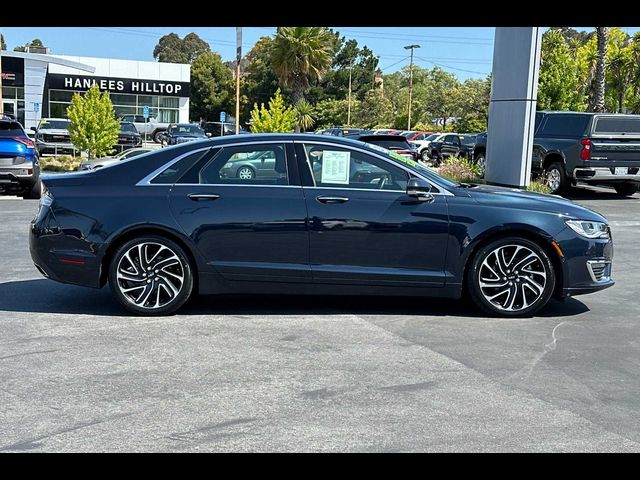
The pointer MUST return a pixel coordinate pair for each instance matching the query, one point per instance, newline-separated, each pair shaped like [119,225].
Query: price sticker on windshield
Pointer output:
[335,167]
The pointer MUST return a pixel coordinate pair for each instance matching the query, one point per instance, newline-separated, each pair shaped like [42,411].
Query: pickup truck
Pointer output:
[152,128]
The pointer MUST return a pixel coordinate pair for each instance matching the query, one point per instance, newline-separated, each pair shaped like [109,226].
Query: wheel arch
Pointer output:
[553,157]
[140,230]
[537,237]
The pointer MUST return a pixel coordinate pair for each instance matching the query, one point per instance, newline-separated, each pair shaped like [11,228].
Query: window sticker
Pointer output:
[335,167]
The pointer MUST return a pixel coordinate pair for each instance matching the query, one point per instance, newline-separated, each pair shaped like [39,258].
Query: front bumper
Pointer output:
[586,265]
[597,174]
[52,147]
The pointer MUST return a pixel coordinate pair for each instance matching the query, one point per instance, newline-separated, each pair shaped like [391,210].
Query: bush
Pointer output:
[460,170]
[539,186]
[61,163]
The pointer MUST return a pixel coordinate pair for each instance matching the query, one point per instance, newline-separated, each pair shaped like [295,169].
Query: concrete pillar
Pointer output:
[514,90]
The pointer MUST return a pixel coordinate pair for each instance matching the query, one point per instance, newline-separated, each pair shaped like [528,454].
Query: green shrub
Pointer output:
[460,170]
[539,186]
[61,163]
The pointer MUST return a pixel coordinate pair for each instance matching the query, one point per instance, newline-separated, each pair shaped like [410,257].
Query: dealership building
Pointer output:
[36,86]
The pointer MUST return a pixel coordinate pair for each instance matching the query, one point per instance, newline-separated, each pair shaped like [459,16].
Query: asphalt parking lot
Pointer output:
[317,373]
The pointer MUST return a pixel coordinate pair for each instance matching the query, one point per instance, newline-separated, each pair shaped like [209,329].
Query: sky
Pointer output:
[464,51]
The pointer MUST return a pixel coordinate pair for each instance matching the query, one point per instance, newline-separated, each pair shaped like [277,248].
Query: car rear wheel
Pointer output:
[35,191]
[511,277]
[157,136]
[626,189]
[425,155]
[481,161]
[151,275]
[246,173]
[556,178]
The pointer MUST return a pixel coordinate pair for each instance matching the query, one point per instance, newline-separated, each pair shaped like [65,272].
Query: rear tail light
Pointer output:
[25,141]
[585,151]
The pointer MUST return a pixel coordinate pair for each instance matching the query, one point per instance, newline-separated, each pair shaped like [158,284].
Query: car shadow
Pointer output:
[585,193]
[45,296]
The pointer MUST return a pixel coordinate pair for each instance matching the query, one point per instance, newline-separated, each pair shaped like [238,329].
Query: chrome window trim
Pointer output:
[444,191]
[226,185]
[356,189]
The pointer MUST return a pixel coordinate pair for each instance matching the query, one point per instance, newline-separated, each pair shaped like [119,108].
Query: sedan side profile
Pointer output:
[330,216]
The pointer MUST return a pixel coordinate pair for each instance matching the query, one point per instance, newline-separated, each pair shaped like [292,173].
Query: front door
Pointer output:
[247,227]
[364,228]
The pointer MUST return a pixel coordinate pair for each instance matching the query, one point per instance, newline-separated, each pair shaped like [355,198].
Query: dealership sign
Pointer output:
[8,76]
[119,85]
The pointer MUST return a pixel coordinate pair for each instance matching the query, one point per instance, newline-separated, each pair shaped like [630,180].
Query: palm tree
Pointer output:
[301,54]
[602,34]
[304,115]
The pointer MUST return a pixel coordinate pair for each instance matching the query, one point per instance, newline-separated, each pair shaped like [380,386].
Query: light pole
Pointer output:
[410,47]
[349,107]
[1,103]
[238,58]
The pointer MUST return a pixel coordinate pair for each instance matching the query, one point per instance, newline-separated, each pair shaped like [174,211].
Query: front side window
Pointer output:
[338,167]
[245,165]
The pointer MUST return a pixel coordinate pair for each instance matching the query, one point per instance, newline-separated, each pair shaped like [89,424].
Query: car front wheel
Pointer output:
[157,137]
[511,277]
[481,161]
[556,178]
[151,275]
[626,189]
[425,155]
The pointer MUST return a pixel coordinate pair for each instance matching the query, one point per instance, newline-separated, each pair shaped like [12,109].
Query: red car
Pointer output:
[415,135]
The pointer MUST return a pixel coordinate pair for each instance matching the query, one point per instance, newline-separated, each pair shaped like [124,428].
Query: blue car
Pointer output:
[19,167]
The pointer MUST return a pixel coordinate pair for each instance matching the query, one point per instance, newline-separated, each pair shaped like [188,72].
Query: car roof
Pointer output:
[384,137]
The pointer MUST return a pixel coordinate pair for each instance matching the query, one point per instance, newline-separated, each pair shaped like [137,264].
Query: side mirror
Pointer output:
[34,129]
[419,189]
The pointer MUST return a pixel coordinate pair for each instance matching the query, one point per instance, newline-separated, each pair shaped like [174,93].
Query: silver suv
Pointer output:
[52,136]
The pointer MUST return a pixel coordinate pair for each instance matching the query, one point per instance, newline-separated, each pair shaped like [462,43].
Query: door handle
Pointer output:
[203,196]
[323,199]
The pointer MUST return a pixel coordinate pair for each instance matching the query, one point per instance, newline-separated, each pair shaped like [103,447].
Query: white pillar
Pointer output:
[514,90]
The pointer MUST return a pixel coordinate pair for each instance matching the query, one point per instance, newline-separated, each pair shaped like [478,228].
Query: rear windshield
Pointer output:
[10,130]
[192,129]
[467,139]
[390,144]
[564,126]
[617,125]
[54,124]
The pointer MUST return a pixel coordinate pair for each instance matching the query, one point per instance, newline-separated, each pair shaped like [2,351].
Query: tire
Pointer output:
[556,178]
[626,189]
[35,192]
[481,161]
[521,294]
[425,155]
[246,173]
[127,276]
[156,136]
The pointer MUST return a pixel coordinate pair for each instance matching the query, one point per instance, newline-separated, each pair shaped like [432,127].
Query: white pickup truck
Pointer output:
[151,127]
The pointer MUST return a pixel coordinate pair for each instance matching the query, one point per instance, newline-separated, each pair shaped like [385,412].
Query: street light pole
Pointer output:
[1,102]
[238,58]
[349,108]
[410,47]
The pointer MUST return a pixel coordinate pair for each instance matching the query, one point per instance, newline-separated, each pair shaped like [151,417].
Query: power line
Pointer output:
[452,68]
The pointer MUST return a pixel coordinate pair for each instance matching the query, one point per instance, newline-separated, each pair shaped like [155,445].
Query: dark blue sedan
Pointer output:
[181,133]
[19,166]
[333,216]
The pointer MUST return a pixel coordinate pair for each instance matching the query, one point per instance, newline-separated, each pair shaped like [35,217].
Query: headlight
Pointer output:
[589,229]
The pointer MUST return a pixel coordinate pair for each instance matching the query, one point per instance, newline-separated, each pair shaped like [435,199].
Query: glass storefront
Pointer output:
[163,109]
[13,102]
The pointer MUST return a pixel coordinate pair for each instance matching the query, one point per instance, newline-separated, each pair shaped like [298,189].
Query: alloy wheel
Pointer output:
[150,275]
[512,278]
[554,179]
[245,173]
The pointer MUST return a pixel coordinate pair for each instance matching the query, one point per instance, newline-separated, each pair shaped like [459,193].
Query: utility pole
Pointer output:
[410,47]
[1,102]
[349,108]
[238,58]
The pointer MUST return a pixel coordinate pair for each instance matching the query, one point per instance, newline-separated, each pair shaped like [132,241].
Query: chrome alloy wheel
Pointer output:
[150,275]
[553,179]
[245,173]
[512,278]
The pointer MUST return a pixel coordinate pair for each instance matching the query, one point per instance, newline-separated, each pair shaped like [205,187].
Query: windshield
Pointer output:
[408,134]
[433,136]
[415,166]
[467,139]
[53,124]
[189,129]
[392,144]
[128,128]
[10,130]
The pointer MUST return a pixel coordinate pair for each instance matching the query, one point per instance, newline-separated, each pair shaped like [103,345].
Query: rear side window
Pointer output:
[172,173]
[10,130]
[564,126]
[617,125]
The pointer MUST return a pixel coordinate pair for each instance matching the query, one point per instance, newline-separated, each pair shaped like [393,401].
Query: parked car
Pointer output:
[219,129]
[397,143]
[261,164]
[422,145]
[385,131]
[452,145]
[480,152]
[104,161]
[128,137]
[150,127]
[178,227]
[594,148]
[344,132]
[52,136]
[181,133]
[413,135]
[19,166]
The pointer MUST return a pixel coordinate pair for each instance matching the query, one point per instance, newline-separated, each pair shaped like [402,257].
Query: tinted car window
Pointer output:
[247,165]
[468,139]
[617,125]
[53,124]
[11,129]
[174,172]
[539,116]
[391,143]
[564,125]
[128,128]
[341,168]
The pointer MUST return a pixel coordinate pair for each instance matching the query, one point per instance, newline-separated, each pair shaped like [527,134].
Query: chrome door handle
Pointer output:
[323,199]
[203,196]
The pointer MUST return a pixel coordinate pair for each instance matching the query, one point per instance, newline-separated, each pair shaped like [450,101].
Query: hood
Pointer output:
[541,202]
[54,131]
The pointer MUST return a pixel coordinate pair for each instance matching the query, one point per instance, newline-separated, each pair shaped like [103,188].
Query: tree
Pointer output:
[304,116]
[559,86]
[373,111]
[277,118]
[93,126]
[172,49]
[3,45]
[330,113]
[602,35]
[258,82]
[474,105]
[301,54]
[212,87]
[36,42]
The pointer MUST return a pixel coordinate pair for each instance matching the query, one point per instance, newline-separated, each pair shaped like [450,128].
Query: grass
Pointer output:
[61,163]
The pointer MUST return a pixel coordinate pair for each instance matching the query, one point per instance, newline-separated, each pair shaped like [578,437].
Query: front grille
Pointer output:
[56,138]
[600,270]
